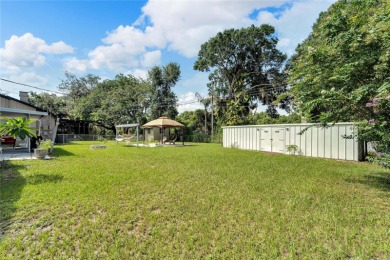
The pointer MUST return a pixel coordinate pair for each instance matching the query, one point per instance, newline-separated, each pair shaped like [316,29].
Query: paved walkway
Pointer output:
[16,154]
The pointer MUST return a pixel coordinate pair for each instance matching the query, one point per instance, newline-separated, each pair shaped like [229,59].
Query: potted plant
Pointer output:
[43,149]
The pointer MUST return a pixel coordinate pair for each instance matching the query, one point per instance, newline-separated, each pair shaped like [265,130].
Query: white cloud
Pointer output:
[295,23]
[74,64]
[187,24]
[125,47]
[138,73]
[182,26]
[28,51]
[30,78]
[188,102]
[151,59]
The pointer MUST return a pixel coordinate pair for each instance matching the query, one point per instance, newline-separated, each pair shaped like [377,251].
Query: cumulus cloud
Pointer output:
[188,102]
[29,51]
[295,23]
[187,24]
[138,73]
[125,47]
[151,58]
[183,26]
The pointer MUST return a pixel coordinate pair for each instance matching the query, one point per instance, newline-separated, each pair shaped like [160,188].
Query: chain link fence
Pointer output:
[197,138]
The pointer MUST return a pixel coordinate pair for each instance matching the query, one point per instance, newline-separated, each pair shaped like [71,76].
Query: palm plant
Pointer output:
[206,101]
[17,127]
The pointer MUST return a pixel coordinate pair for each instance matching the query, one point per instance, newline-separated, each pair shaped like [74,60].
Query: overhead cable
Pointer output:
[26,85]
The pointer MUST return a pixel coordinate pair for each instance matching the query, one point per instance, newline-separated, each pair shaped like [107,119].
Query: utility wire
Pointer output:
[22,84]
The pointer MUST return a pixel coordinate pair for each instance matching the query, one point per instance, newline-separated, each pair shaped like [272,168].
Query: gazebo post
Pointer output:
[182,134]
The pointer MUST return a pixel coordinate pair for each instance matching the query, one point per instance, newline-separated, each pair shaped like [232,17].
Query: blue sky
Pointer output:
[40,40]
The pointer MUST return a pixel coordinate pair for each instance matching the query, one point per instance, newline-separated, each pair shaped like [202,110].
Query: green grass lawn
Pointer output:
[198,201]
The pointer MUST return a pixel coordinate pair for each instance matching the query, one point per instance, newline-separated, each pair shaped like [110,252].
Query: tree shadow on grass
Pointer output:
[379,180]
[43,178]
[12,183]
[58,151]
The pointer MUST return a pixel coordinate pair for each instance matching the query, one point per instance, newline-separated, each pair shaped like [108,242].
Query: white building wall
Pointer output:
[316,141]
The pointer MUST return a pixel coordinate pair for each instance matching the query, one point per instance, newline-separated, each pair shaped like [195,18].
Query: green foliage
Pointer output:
[163,100]
[199,137]
[377,128]
[236,113]
[193,120]
[45,144]
[49,102]
[292,149]
[380,158]
[343,62]
[263,118]
[17,127]
[76,89]
[244,64]
[111,102]
[206,101]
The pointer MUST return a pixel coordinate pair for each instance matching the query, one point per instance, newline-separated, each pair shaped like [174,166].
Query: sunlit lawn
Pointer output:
[196,201]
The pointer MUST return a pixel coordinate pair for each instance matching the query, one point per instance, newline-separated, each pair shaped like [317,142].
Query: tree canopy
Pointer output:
[163,99]
[344,62]
[114,101]
[245,66]
[111,102]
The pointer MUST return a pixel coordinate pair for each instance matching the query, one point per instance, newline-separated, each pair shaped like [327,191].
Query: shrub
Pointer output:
[377,129]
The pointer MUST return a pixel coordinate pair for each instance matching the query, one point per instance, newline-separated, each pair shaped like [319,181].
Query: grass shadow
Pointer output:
[12,183]
[379,180]
[11,186]
[43,178]
[58,151]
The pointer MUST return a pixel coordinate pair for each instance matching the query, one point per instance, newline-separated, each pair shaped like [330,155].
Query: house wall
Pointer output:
[316,141]
[44,125]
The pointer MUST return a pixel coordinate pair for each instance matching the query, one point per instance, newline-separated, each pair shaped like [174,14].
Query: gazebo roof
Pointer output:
[162,122]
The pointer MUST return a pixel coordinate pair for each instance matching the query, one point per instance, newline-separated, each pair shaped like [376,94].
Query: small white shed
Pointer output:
[316,141]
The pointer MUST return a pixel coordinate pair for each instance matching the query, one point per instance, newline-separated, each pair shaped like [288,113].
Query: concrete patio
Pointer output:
[9,153]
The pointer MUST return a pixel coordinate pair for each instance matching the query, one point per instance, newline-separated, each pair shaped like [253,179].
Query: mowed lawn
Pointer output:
[197,201]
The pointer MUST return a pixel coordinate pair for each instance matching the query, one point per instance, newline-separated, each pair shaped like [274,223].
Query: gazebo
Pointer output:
[163,123]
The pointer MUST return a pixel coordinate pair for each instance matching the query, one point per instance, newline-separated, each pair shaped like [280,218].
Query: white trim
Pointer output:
[22,111]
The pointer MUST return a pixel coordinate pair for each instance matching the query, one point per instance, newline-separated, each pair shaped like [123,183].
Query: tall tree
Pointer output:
[245,66]
[163,99]
[118,101]
[51,103]
[344,62]
[76,89]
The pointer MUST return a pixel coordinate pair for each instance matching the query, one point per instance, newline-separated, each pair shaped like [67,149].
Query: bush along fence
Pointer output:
[377,129]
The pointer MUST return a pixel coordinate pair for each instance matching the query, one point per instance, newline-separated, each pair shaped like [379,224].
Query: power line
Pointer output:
[26,85]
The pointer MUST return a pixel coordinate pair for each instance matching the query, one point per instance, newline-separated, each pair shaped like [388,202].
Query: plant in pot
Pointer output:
[43,149]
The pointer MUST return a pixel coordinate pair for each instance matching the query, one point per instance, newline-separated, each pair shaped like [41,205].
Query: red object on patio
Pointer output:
[8,140]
